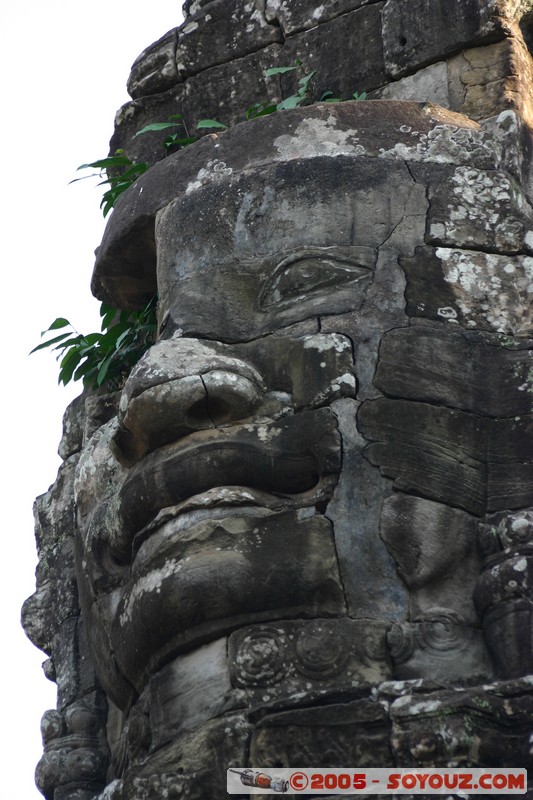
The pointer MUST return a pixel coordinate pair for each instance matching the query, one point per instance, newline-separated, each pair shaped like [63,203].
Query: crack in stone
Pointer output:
[206,401]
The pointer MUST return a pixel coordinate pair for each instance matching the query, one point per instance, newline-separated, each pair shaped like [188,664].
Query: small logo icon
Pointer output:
[261,780]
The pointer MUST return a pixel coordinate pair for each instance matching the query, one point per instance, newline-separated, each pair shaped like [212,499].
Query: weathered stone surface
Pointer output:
[373,589]
[56,598]
[466,286]
[434,547]
[75,760]
[272,662]
[189,691]
[294,17]
[307,565]
[223,93]
[213,35]
[483,81]
[503,598]
[450,456]
[344,733]
[419,32]
[510,457]
[474,209]
[194,766]
[481,727]
[72,430]
[429,451]
[356,38]
[429,84]
[407,369]
[439,645]
[155,69]
[203,386]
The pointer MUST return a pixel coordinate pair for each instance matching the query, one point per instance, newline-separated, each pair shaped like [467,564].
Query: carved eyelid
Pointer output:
[338,266]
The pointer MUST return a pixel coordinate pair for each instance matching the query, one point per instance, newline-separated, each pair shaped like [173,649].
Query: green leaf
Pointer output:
[76,340]
[304,82]
[123,336]
[211,123]
[361,96]
[157,126]
[106,163]
[269,73]
[67,369]
[71,355]
[260,110]
[103,369]
[60,322]
[49,343]
[94,175]
[175,141]
[290,102]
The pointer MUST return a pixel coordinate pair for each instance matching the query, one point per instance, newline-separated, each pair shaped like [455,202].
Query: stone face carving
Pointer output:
[301,533]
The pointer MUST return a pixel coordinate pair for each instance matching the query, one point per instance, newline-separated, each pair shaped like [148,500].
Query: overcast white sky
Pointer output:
[64,68]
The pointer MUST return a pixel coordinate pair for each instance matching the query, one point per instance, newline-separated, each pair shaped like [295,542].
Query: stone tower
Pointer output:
[301,533]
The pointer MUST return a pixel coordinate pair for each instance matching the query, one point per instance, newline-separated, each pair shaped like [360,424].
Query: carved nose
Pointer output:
[228,397]
[178,390]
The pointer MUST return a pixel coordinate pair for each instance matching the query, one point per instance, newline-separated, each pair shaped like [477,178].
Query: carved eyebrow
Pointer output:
[307,270]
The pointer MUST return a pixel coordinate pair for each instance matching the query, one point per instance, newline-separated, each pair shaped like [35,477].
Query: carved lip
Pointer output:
[254,465]
[223,501]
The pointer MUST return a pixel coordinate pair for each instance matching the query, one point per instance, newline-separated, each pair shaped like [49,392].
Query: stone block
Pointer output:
[510,456]
[188,692]
[484,81]
[155,69]
[485,727]
[213,35]
[428,451]
[355,38]
[477,209]
[434,548]
[222,93]
[354,732]
[260,573]
[194,765]
[423,31]
[439,645]
[429,84]
[422,363]
[270,663]
[73,420]
[466,286]
[374,589]
[295,17]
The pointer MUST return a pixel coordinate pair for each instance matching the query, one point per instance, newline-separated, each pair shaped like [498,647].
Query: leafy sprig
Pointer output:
[106,357]
[120,172]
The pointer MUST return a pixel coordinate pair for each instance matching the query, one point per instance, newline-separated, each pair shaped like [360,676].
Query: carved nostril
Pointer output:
[229,397]
[170,410]
[214,410]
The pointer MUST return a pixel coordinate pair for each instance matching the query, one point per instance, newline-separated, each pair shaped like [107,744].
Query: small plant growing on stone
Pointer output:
[176,140]
[120,172]
[106,357]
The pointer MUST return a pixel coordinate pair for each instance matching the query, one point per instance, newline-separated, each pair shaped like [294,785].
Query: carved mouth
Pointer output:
[223,501]
[292,462]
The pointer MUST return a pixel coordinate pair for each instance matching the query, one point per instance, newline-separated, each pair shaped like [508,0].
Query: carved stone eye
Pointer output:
[309,273]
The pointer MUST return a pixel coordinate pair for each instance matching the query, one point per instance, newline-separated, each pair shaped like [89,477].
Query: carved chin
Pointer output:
[191,586]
